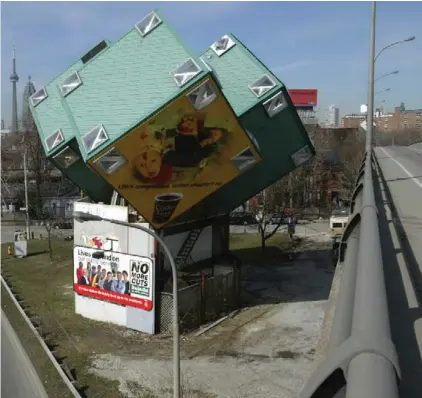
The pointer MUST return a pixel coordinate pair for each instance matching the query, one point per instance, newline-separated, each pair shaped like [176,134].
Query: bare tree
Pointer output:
[44,179]
[350,152]
[270,204]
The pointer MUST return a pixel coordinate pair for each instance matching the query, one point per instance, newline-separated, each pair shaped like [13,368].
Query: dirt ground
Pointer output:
[266,350]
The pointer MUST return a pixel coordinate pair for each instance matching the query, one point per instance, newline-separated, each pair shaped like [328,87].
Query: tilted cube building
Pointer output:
[265,110]
[180,137]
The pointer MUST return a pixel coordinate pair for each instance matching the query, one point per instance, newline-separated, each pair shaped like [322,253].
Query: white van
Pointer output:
[338,221]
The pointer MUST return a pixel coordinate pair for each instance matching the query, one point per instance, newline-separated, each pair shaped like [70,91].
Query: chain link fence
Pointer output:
[201,302]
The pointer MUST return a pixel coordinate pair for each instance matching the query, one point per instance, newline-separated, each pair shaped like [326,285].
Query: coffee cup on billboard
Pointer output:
[164,206]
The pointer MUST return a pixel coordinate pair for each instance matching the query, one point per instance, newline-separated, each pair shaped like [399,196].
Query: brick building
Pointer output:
[398,121]
[331,174]
[401,119]
[352,121]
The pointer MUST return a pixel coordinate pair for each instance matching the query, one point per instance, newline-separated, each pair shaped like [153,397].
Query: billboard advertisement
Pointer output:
[113,277]
[179,156]
[304,98]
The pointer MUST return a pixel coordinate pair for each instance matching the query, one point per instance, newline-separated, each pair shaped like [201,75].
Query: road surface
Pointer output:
[8,230]
[400,221]
[402,170]
[302,230]
[18,377]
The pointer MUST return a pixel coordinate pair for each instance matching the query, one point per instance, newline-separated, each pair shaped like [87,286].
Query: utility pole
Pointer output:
[371,81]
[25,172]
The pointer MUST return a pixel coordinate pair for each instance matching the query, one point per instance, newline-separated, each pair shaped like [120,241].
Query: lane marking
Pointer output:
[409,174]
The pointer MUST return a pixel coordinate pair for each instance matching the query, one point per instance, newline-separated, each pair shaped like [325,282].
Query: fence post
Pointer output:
[202,305]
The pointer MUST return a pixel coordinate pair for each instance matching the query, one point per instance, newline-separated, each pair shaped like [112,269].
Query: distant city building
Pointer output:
[305,101]
[2,124]
[352,121]
[363,109]
[333,116]
[400,120]
[308,116]
[27,120]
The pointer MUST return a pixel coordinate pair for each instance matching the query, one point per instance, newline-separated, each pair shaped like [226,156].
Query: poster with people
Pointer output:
[179,156]
[122,279]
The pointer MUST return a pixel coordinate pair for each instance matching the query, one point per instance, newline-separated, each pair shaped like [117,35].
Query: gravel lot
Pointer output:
[267,350]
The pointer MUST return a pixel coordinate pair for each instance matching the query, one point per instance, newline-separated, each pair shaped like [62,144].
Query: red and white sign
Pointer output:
[118,298]
[122,279]
[304,98]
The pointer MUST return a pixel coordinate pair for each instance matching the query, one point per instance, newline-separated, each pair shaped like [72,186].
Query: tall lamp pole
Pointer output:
[371,82]
[386,74]
[25,176]
[393,44]
[411,38]
[25,172]
[81,216]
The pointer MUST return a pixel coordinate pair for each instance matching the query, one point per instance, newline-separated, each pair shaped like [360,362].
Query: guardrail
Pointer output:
[361,359]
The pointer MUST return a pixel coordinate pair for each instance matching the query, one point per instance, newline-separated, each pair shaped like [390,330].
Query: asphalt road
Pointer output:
[8,230]
[402,171]
[303,230]
[18,377]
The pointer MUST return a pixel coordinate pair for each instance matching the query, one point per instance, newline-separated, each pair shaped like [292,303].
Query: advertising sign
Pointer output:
[304,98]
[117,278]
[175,159]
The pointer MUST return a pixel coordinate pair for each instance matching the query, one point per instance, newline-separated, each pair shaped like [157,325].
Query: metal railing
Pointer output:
[361,359]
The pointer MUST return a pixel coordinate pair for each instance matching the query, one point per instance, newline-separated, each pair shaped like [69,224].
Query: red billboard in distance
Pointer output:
[304,98]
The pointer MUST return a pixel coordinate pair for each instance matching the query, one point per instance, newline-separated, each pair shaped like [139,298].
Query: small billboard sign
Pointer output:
[122,279]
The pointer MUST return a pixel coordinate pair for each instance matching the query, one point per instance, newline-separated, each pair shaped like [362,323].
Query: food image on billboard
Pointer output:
[118,278]
[179,156]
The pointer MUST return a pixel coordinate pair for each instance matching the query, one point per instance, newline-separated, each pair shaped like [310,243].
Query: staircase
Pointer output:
[184,253]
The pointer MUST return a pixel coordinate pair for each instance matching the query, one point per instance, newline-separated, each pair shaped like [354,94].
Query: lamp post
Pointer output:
[379,92]
[411,38]
[25,176]
[81,216]
[386,74]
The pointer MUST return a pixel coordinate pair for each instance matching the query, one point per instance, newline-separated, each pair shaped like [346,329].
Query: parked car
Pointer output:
[277,219]
[242,218]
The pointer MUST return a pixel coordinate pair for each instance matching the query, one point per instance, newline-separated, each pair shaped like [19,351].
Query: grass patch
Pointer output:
[247,247]
[46,288]
[53,384]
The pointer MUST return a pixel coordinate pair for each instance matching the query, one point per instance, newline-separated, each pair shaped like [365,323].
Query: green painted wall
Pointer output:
[87,179]
[49,115]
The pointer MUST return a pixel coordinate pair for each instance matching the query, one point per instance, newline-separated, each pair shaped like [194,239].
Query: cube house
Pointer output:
[180,137]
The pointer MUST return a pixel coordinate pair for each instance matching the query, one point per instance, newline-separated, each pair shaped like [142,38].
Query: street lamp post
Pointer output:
[411,38]
[379,92]
[81,216]
[393,44]
[25,176]
[386,74]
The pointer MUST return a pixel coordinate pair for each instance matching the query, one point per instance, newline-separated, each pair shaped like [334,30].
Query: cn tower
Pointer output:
[14,78]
